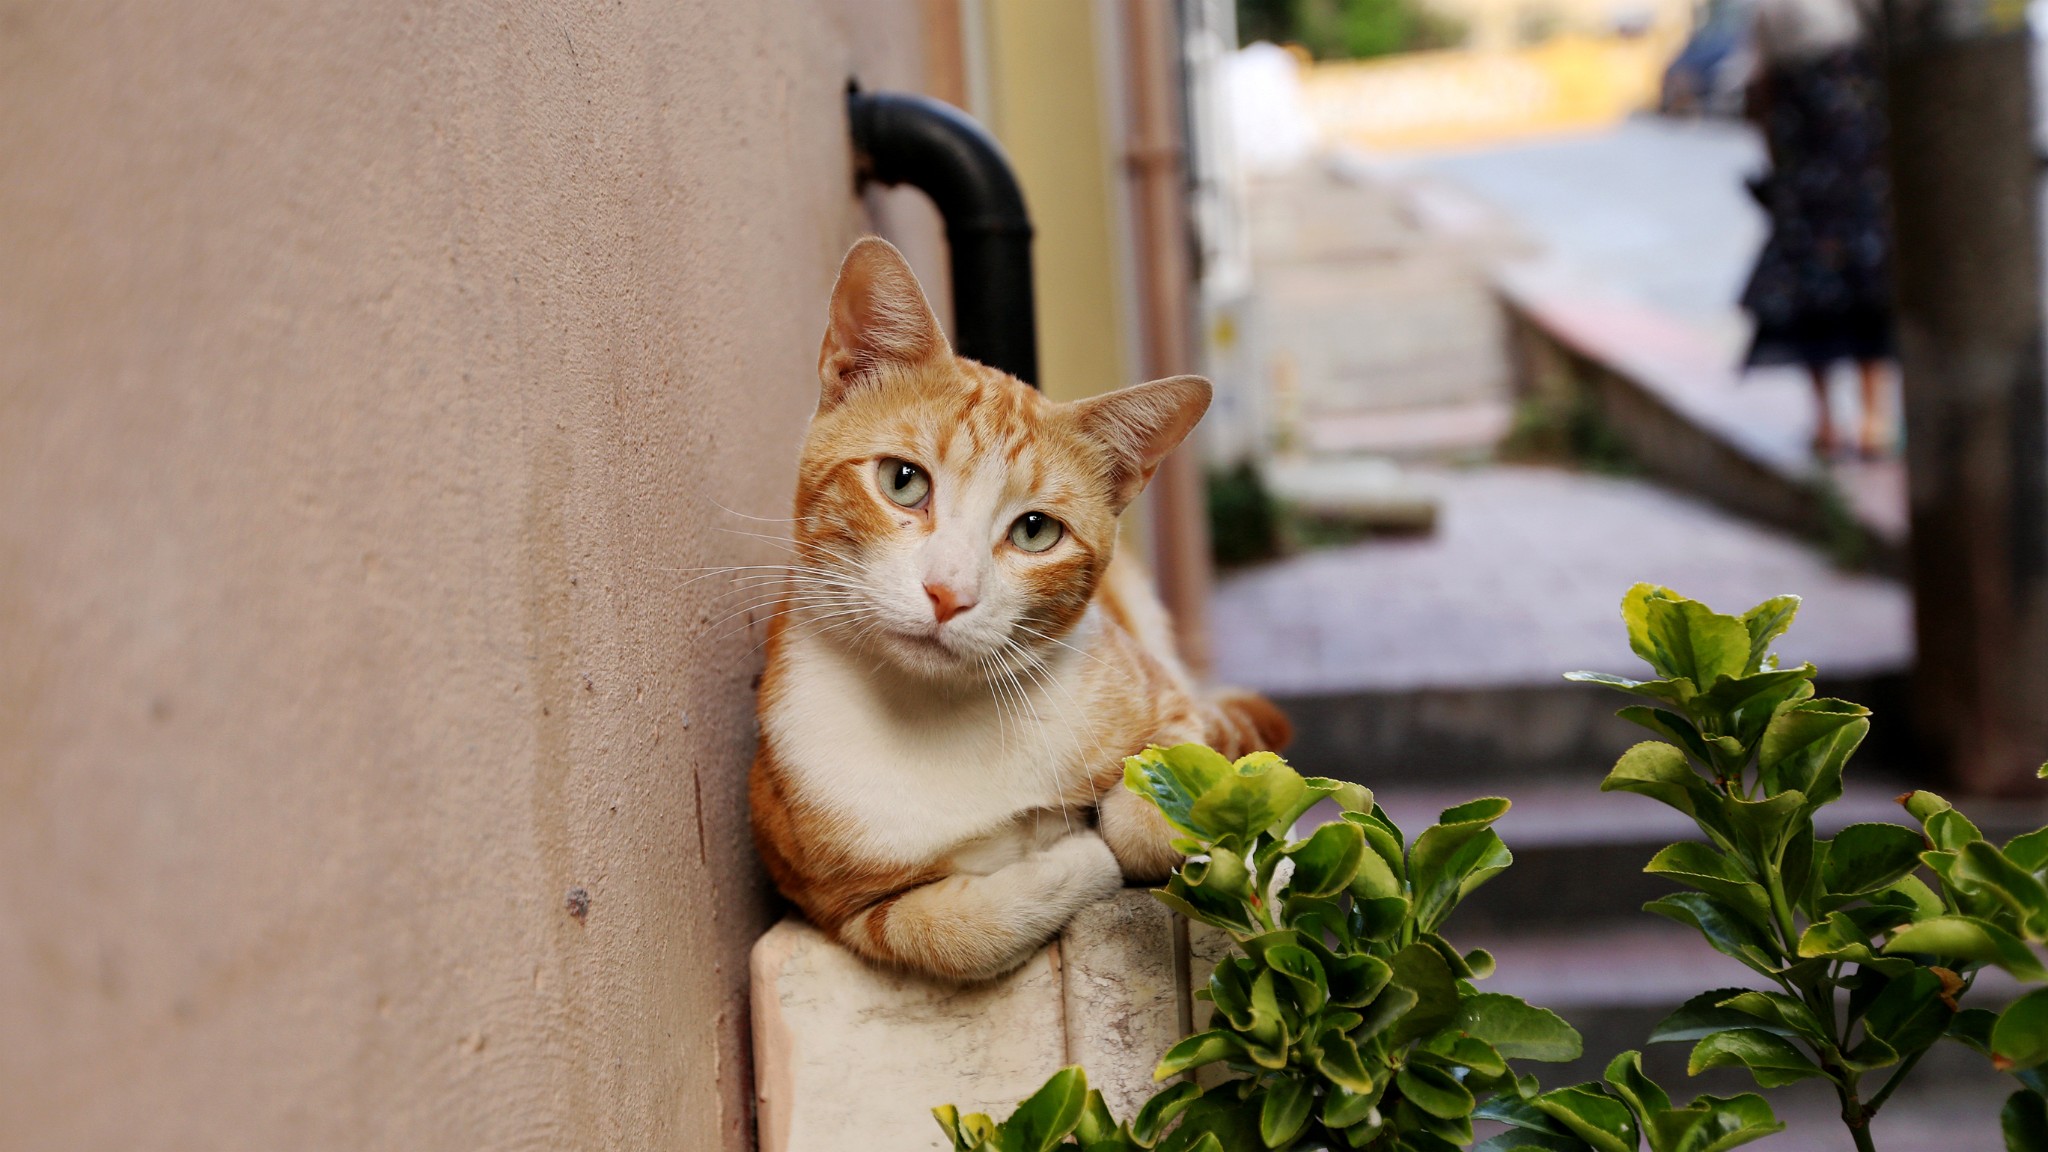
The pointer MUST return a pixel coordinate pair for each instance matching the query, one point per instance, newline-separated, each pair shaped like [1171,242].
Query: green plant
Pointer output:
[1867,960]
[1994,912]
[1345,1018]
[1244,520]
[1621,1113]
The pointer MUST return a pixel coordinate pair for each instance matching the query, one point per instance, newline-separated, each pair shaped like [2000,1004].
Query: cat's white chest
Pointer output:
[919,778]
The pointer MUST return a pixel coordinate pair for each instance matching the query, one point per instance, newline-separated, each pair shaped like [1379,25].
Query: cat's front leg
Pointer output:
[972,927]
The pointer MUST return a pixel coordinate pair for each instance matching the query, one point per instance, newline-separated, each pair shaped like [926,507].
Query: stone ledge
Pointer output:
[851,1058]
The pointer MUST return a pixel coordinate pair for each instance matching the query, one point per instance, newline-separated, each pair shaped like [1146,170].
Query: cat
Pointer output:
[959,666]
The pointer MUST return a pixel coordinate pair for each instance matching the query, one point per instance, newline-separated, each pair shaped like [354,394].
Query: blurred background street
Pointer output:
[1440,256]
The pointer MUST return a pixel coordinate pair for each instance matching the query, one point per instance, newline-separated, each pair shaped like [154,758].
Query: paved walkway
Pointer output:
[1522,581]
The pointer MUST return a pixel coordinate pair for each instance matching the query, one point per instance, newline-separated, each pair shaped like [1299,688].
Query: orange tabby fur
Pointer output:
[944,714]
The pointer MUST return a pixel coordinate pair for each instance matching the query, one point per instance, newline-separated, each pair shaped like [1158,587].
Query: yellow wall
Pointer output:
[1049,108]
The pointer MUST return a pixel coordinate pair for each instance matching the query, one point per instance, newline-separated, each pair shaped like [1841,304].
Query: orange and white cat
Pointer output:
[959,667]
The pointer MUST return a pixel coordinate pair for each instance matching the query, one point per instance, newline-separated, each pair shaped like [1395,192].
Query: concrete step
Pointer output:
[1501,734]
[1615,983]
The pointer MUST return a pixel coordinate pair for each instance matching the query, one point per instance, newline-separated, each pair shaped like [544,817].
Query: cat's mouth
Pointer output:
[931,646]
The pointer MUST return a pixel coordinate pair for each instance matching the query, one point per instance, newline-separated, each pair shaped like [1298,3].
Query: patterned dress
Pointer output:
[1821,290]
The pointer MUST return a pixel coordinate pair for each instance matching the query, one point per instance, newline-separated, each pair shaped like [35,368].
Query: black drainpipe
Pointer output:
[900,138]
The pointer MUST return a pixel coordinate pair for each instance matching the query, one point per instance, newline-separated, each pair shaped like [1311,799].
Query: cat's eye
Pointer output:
[902,482]
[1035,532]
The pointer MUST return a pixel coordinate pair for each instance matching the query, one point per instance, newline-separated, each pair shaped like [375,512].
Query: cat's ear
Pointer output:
[878,317]
[1141,424]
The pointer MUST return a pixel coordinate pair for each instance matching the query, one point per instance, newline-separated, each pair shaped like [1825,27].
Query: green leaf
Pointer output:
[1342,1107]
[1387,1008]
[1221,1118]
[1326,862]
[1304,975]
[1050,1113]
[1434,1090]
[1972,1028]
[1635,617]
[1341,1063]
[948,1117]
[1866,857]
[1971,940]
[1765,623]
[1724,928]
[1770,1058]
[1593,1116]
[1909,1014]
[1846,936]
[2024,1121]
[1373,879]
[1688,640]
[1420,970]
[1984,868]
[1511,1109]
[1381,918]
[1516,1029]
[1698,865]
[1731,1121]
[1524,1140]
[1223,875]
[1098,1131]
[1315,789]
[1454,856]
[1678,692]
[1706,1014]
[1257,794]
[1383,838]
[1778,1014]
[2029,850]
[1348,796]
[1671,726]
[1197,1050]
[1161,1109]
[1746,704]
[1174,778]
[1805,746]
[1205,906]
[1288,1100]
[1626,1077]
[2020,1038]
[1660,771]
[1449,1049]
[1761,828]
[1355,979]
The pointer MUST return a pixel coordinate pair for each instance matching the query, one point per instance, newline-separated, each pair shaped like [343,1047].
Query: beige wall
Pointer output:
[368,374]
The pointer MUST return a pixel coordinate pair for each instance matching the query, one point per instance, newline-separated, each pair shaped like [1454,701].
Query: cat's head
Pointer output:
[949,518]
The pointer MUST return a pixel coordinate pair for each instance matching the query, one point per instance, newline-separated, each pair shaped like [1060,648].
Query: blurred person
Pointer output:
[1821,289]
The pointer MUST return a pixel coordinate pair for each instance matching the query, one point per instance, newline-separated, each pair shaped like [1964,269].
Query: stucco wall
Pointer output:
[370,379]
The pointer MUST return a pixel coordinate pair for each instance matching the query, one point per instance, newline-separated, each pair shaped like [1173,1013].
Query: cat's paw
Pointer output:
[1139,837]
[1092,871]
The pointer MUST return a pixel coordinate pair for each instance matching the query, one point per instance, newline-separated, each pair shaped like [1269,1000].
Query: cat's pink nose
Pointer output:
[946,603]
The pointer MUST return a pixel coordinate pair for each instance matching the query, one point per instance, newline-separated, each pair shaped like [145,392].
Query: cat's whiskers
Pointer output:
[779,603]
[762,519]
[1044,674]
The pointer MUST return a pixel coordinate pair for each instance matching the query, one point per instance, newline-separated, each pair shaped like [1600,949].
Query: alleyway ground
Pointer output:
[1376,280]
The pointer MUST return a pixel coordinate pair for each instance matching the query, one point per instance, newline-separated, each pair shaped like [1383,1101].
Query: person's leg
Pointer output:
[1872,438]
[1823,419]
